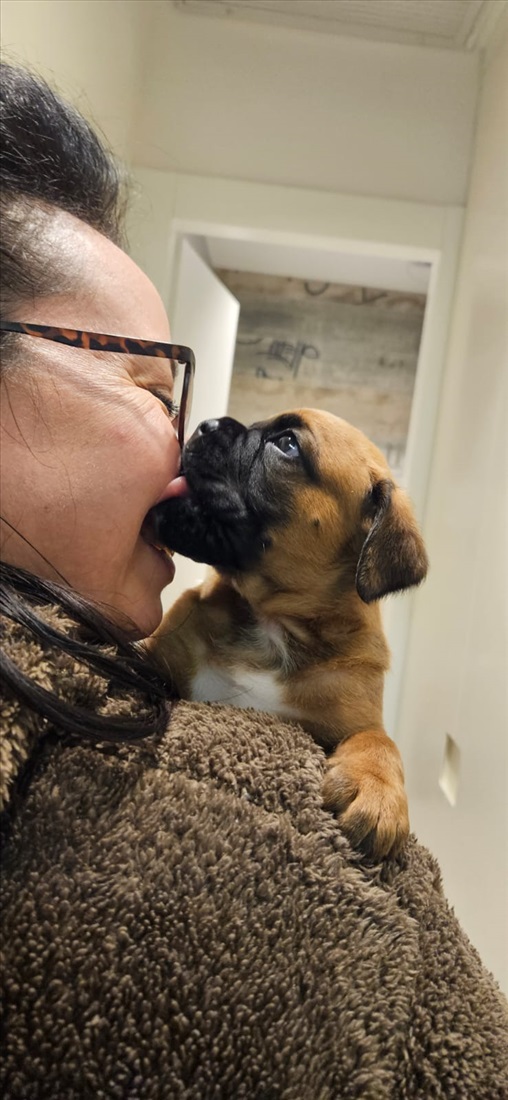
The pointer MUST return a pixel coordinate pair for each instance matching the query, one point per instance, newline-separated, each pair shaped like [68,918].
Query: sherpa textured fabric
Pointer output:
[184,920]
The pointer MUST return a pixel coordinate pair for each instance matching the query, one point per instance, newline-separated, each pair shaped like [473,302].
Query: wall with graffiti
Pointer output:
[350,350]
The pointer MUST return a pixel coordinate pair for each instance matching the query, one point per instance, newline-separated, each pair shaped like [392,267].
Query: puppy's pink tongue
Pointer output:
[176,488]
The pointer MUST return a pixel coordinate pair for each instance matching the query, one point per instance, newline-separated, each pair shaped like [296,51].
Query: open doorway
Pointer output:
[350,350]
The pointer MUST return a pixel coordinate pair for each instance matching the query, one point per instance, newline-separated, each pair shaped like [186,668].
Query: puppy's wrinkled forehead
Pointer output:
[336,451]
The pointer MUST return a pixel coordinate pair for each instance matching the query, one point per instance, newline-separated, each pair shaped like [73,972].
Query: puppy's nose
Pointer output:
[207,426]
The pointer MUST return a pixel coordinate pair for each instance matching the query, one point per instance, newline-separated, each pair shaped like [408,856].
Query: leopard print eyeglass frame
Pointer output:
[97,341]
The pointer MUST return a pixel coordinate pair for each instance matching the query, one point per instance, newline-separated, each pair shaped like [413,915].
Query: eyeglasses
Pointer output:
[97,341]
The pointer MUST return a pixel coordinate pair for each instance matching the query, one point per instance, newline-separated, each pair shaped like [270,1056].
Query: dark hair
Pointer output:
[90,639]
[51,160]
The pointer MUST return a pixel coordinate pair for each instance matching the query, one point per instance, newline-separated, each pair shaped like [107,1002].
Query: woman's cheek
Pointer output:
[141,430]
[160,458]
[144,450]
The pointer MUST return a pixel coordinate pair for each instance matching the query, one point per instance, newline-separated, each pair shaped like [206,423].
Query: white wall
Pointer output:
[278,105]
[149,225]
[456,679]
[89,50]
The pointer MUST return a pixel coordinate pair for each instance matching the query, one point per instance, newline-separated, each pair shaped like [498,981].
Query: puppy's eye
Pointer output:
[288,444]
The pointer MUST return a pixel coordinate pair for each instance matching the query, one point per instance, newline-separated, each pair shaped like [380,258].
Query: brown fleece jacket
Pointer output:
[184,920]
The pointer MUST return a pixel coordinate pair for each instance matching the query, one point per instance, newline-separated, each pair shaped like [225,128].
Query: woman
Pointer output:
[180,917]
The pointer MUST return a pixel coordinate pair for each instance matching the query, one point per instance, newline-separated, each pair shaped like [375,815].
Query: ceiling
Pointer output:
[445,24]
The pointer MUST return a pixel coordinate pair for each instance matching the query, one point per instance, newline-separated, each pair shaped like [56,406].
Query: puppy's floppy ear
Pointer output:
[393,556]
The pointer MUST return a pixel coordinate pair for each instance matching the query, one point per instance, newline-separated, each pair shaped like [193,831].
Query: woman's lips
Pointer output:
[149,535]
[166,558]
[176,488]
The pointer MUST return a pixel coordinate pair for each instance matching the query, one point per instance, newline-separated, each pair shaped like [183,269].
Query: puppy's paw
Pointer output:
[364,786]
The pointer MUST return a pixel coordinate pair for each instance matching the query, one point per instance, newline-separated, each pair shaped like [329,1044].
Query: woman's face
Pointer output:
[87,448]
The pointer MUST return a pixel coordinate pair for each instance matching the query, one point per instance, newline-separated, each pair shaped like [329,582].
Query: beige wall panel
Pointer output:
[273,105]
[88,49]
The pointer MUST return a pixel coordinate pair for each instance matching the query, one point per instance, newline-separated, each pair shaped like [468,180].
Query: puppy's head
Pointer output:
[304,501]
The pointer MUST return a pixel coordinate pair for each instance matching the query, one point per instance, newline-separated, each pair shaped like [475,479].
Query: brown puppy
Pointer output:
[302,519]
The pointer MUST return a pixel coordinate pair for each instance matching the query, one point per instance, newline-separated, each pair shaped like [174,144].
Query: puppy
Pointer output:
[307,530]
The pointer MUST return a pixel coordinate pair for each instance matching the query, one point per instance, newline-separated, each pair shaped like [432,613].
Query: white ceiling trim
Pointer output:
[317,265]
[443,24]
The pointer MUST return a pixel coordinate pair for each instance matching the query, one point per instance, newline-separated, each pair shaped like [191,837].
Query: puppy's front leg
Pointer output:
[175,646]
[364,785]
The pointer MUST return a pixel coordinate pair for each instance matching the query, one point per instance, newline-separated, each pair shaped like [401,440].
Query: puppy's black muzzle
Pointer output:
[215,523]
[209,466]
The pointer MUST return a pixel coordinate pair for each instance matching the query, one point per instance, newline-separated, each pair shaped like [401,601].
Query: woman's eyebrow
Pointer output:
[143,363]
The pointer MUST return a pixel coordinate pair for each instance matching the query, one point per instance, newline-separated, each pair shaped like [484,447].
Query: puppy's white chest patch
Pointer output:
[240,688]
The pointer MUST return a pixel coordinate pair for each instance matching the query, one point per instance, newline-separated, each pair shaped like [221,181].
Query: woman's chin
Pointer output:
[148,617]
[140,615]
[136,604]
